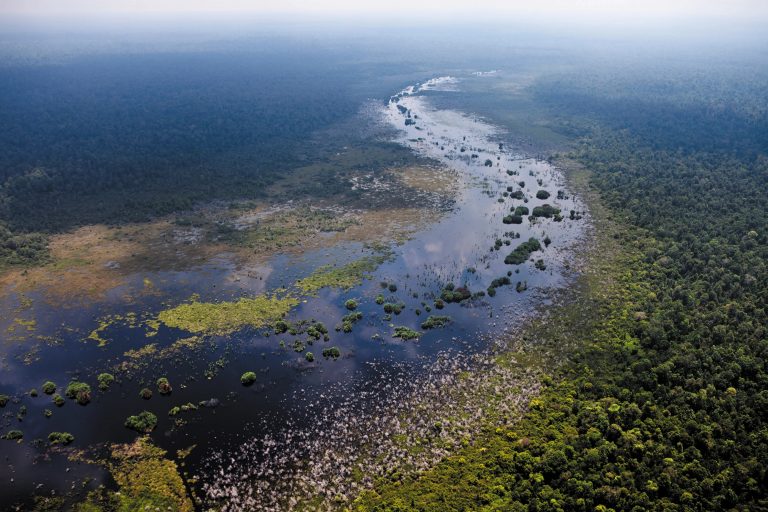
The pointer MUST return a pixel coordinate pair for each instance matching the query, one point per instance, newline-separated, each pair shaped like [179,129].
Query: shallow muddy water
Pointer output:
[292,399]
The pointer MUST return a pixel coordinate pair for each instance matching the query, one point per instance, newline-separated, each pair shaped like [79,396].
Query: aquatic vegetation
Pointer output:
[452,294]
[4,400]
[48,388]
[309,356]
[542,194]
[60,438]
[79,391]
[522,210]
[146,481]
[163,386]
[517,194]
[435,321]
[392,287]
[522,252]
[439,304]
[145,393]
[13,435]
[379,299]
[105,380]
[546,211]
[332,352]
[143,423]
[33,392]
[227,317]
[345,277]
[58,400]
[405,333]
[351,304]
[248,378]
[318,330]
[512,219]
[348,320]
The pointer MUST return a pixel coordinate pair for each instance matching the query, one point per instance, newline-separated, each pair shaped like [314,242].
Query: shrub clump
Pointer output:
[13,435]
[522,252]
[405,333]
[105,380]
[143,423]
[347,321]
[58,400]
[512,219]
[309,356]
[332,352]
[60,438]
[145,393]
[79,391]
[542,194]
[546,211]
[452,294]
[522,210]
[248,378]
[4,400]
[435,321]
[351,304]
[163,386]
[48,388]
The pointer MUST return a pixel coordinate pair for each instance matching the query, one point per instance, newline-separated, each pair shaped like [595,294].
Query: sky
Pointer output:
[538,8]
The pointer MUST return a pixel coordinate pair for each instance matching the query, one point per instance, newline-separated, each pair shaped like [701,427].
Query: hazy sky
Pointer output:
[538,8]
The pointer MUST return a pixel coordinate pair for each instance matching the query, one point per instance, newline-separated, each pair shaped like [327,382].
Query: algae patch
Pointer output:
[227,317]
[345,277]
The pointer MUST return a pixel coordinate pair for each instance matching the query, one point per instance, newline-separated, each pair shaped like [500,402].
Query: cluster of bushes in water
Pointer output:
[348,320]
[523,251]
[143,423]
[451,293]
[435,321]
[405,333]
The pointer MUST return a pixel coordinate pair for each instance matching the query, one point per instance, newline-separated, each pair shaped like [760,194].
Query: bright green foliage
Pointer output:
[405,333]
[435,321]
[144,422]
[248,378]
[60,438]
[48,388]
[227,317]
[105,380]
[79,391]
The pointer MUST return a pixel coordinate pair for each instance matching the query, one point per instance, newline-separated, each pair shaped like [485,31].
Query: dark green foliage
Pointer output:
[348,320]
[143,423]
[517,194]
[58,400]
[48,388]
[542,194]
[351,304]
[332,352]
[60,438]
[435,321]
[248,378]
[13,435]
[4,400]
[79,391]
[163,386]
[522,210]
[451,294]
[145,393]
[309,356]
[522,252]
[105,380]
[548,211]
[512,219]
[405,333]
